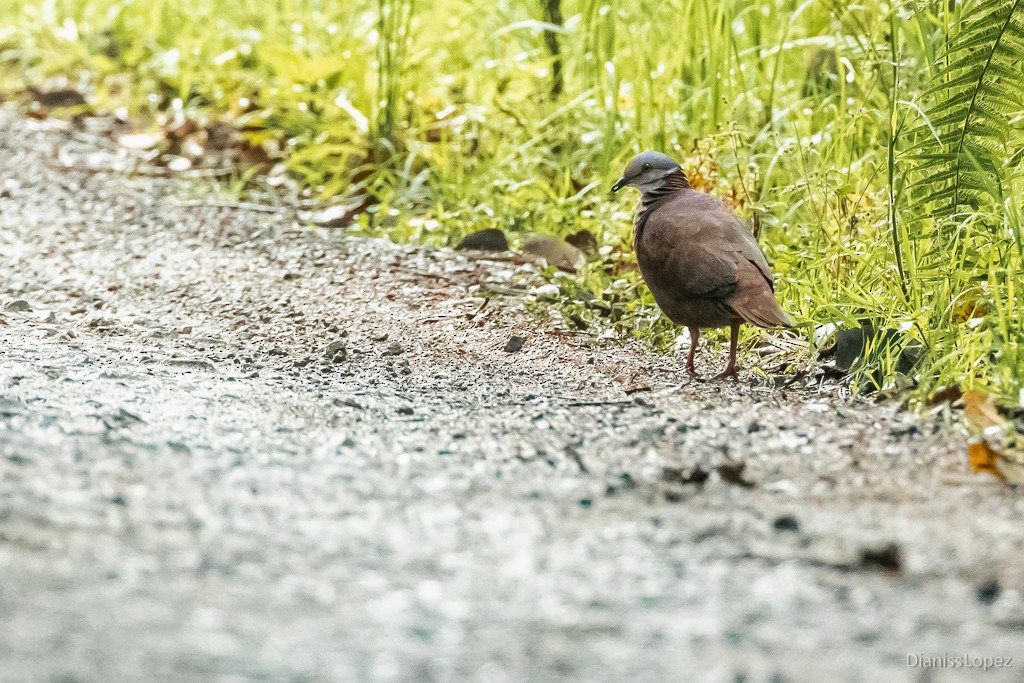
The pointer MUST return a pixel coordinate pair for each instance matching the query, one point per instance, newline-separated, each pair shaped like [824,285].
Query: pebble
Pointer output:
[337,352]
[514,344]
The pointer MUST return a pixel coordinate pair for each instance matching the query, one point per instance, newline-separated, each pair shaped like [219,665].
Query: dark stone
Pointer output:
[852,344]
[59,98]
[515,344]
[336,352]
[679,475]
[732,473]
[887,557]
[786,523]
[989,590]
[585,241]
[19,306]
[491,239]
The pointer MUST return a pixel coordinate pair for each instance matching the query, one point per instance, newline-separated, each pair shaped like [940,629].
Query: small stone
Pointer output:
[336,352]
[989,590]
[786,523]
[515,344]
[347,403]
[888,557]
[19,306]
[491,239]
[394,349]
[405,410]
[556,252]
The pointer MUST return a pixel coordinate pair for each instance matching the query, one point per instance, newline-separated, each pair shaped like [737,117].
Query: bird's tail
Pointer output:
[762,311]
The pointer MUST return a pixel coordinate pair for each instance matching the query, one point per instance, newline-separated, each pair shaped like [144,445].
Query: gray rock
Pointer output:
[556,252]
[514,344]
[337,352]
[491,239]
[585,241]
[19,306]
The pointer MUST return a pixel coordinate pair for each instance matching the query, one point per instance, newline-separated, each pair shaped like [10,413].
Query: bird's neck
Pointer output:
[651,198]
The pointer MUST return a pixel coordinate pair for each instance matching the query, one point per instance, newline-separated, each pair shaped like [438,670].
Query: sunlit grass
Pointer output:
[442,109]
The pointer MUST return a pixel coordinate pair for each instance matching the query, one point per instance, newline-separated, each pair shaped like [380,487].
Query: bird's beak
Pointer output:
[621,183]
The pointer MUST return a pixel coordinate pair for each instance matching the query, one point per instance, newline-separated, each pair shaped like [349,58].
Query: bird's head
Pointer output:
[651,171]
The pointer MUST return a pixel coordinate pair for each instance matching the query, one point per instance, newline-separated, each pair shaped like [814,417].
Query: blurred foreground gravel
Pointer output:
[193,489]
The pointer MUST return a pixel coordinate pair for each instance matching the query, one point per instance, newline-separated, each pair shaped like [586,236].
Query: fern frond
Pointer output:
[976,93]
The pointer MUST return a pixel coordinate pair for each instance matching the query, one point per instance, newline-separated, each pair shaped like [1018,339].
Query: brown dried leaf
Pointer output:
[732,473]
[980,410]
[981,457]
[970,308]
[57,98]
[945,395]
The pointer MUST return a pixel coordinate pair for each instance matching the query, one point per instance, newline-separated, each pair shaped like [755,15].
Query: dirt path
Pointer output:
[190,490]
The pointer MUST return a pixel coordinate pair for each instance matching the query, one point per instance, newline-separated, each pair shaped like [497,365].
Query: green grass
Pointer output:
[798,112]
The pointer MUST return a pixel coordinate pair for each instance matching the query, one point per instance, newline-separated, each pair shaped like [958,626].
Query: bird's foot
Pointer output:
[731,372]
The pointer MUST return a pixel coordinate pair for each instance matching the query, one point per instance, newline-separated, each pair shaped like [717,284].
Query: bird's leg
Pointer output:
[731,371]
[694,336]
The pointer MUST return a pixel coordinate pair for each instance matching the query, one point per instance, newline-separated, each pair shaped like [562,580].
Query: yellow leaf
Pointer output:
[970,308]
[982,458]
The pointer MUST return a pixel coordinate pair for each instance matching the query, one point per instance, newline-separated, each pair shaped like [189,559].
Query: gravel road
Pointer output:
[193,489]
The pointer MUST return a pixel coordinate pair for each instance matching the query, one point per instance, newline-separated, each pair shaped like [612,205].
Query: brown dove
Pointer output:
[702,265]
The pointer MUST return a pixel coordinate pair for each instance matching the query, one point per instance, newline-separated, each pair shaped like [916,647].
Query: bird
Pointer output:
[701,263]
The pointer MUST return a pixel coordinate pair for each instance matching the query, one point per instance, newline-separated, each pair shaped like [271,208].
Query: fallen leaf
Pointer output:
[57,98]
[970,308]
[980,410]
[981,457]
[733,474]
[945,395]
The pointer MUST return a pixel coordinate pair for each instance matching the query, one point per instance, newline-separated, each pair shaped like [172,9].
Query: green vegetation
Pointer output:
[876,146]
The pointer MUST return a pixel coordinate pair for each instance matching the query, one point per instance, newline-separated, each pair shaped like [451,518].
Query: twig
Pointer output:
[225,204]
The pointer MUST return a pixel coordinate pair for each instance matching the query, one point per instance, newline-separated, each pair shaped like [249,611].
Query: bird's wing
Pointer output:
[689,252]
[704,251]
[754,298]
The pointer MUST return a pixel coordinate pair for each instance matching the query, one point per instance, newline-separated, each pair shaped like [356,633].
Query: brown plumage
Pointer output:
[702,265]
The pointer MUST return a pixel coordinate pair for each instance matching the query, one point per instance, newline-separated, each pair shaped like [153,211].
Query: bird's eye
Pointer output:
[647,167]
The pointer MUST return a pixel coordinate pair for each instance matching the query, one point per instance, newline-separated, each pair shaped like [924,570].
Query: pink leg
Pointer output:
[731,371]
[694,337]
